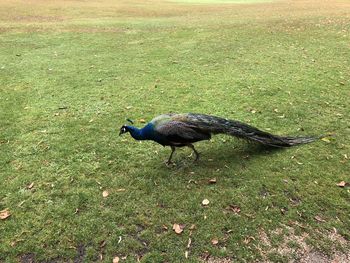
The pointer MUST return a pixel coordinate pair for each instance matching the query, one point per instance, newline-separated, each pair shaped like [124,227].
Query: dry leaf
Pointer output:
[205,255]
[319,219]
[186,254]
[214,241]
[102,243]
[30,186]
[212,181]
[189,243]
[4,214]
[121,190]
[105,193]
[115,259]
[205,202]
[192,227]
[178,228]
[142,120]
[342,184]
[234,208]
[165,227]
[326,140]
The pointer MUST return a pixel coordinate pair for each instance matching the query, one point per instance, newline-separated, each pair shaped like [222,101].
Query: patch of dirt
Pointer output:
[219,260]
[27,258]
[37,18]
[80,254]
[48,13]
[317,257]
[301,251]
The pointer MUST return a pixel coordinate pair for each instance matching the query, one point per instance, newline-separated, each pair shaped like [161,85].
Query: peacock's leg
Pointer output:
[171,155]
[195,151]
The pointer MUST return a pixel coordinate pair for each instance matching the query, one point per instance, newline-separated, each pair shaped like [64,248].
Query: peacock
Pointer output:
[179,130]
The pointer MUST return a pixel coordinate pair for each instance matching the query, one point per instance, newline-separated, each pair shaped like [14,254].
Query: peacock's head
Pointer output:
[123,129]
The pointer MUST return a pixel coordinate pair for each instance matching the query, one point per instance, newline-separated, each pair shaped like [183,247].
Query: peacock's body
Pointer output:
[178,130]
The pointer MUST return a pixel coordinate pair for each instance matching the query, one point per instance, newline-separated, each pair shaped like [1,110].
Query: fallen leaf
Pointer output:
[121,190]
[186,254]
[103,244]
[189,243]
[165,227]
[192,227]
[319,219]
[105,193]
[248,239]
[341,184]
[178,228]
[142,120]
[212,181]
[115,259]
[30,186]
[205,255]
[326,140]
[205,202]
[234,208]
[214,241]
[4,214]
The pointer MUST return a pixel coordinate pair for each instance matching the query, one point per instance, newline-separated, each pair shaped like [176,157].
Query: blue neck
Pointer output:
[141,134]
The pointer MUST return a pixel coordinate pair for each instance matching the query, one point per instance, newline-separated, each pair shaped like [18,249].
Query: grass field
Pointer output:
[71,72]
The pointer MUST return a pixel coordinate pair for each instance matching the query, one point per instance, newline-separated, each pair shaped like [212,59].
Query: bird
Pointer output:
[184,129]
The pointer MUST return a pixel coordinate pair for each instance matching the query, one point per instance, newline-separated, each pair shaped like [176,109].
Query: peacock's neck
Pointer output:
[136,133]
[141,134]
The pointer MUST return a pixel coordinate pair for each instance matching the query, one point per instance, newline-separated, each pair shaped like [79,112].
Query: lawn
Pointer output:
[72,72]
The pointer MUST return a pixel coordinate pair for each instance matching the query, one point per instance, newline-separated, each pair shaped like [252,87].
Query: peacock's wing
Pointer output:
[179,132]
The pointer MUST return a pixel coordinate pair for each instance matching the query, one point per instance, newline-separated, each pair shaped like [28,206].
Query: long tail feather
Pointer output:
[238,129]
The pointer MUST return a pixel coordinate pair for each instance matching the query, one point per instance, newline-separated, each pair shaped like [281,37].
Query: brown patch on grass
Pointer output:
[218,260]
[27,258]
[301,251]
[317,257]
[66,15]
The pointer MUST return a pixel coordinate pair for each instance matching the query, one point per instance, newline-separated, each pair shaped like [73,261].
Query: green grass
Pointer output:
[67,87]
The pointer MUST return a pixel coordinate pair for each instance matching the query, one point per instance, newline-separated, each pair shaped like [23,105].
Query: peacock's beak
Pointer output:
[122,130]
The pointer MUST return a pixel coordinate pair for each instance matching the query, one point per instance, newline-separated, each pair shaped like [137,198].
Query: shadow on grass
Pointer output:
[220,156]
